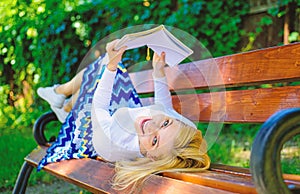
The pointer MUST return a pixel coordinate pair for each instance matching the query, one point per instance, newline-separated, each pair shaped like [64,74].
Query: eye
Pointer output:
[154,141]
[166,123]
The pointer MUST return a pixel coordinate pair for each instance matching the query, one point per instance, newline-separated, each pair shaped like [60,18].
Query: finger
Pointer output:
[122,49]
[114,45]
[163,57]
[114,42]
[110,46]
[155,56]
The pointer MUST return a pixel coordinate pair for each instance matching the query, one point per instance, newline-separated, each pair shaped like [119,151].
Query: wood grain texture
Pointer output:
[231,178]
[95,176]
[268,65]
[229,182]
[239,106]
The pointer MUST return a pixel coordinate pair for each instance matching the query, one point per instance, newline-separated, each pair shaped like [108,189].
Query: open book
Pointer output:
[159,39]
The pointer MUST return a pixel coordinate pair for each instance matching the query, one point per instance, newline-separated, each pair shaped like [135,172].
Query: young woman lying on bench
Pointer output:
[106,123]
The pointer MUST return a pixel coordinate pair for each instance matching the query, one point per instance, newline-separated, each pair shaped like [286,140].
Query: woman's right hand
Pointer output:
[158,64]
[115,56]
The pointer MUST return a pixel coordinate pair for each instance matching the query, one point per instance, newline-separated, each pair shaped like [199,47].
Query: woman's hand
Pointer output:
[158,64]
[115,56]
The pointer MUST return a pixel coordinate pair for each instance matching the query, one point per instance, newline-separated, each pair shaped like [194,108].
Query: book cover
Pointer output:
[159,39]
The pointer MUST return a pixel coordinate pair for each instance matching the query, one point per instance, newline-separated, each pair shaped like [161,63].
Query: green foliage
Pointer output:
[43,42]
[277,11]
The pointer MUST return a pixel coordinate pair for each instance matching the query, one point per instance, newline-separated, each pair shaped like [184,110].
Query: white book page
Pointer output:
[159,40]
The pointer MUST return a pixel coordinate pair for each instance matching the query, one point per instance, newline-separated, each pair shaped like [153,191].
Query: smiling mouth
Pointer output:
[142,125]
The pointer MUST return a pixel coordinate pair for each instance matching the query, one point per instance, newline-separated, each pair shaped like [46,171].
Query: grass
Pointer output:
[290,156]
[15,144]
[232,147]
[13,147]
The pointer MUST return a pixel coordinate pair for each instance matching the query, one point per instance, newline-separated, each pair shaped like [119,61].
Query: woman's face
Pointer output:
[156,134]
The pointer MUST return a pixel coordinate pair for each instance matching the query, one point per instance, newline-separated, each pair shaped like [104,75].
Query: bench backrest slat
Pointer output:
[274,64]
[242,106]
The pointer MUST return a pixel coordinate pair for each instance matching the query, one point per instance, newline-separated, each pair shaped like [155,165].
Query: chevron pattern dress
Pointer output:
[75,137]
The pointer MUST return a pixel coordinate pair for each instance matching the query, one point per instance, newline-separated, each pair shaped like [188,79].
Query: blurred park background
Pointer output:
[44,41]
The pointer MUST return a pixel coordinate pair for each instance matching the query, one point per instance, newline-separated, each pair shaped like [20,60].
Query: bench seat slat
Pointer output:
[276,64]
[95,176]
[288,178]
[234,183]
[242,106]
[235,179]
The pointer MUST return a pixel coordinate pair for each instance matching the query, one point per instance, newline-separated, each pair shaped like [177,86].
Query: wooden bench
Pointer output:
[266,66]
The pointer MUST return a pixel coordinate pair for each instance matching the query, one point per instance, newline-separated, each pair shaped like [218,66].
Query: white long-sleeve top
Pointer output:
[114,137]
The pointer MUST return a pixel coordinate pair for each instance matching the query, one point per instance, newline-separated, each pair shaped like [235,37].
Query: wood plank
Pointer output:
[275,64]
[224,181]
[95,176]
[231,178]
[242,106]
[221,168]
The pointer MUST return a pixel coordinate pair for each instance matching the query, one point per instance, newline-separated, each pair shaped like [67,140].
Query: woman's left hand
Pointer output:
[115,56]
[158,64]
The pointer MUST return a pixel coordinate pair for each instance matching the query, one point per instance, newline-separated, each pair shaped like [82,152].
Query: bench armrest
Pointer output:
[39,128]
[265,160]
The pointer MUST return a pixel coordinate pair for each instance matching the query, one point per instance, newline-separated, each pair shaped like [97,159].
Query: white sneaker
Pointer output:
[60,113]
[53,98]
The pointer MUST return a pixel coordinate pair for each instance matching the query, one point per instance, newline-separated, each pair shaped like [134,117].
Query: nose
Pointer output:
[151,127]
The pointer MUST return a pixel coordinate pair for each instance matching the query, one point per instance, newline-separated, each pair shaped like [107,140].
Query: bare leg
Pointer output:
[71,87]
[68,106]
[56,95]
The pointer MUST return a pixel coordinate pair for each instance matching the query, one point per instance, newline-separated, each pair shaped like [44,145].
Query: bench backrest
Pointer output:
[236,93]
[244,87]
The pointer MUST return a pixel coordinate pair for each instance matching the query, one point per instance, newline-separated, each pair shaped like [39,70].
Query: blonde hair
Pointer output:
[189,155]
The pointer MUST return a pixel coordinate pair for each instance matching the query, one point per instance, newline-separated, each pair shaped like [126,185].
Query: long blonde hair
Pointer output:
[189,155]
